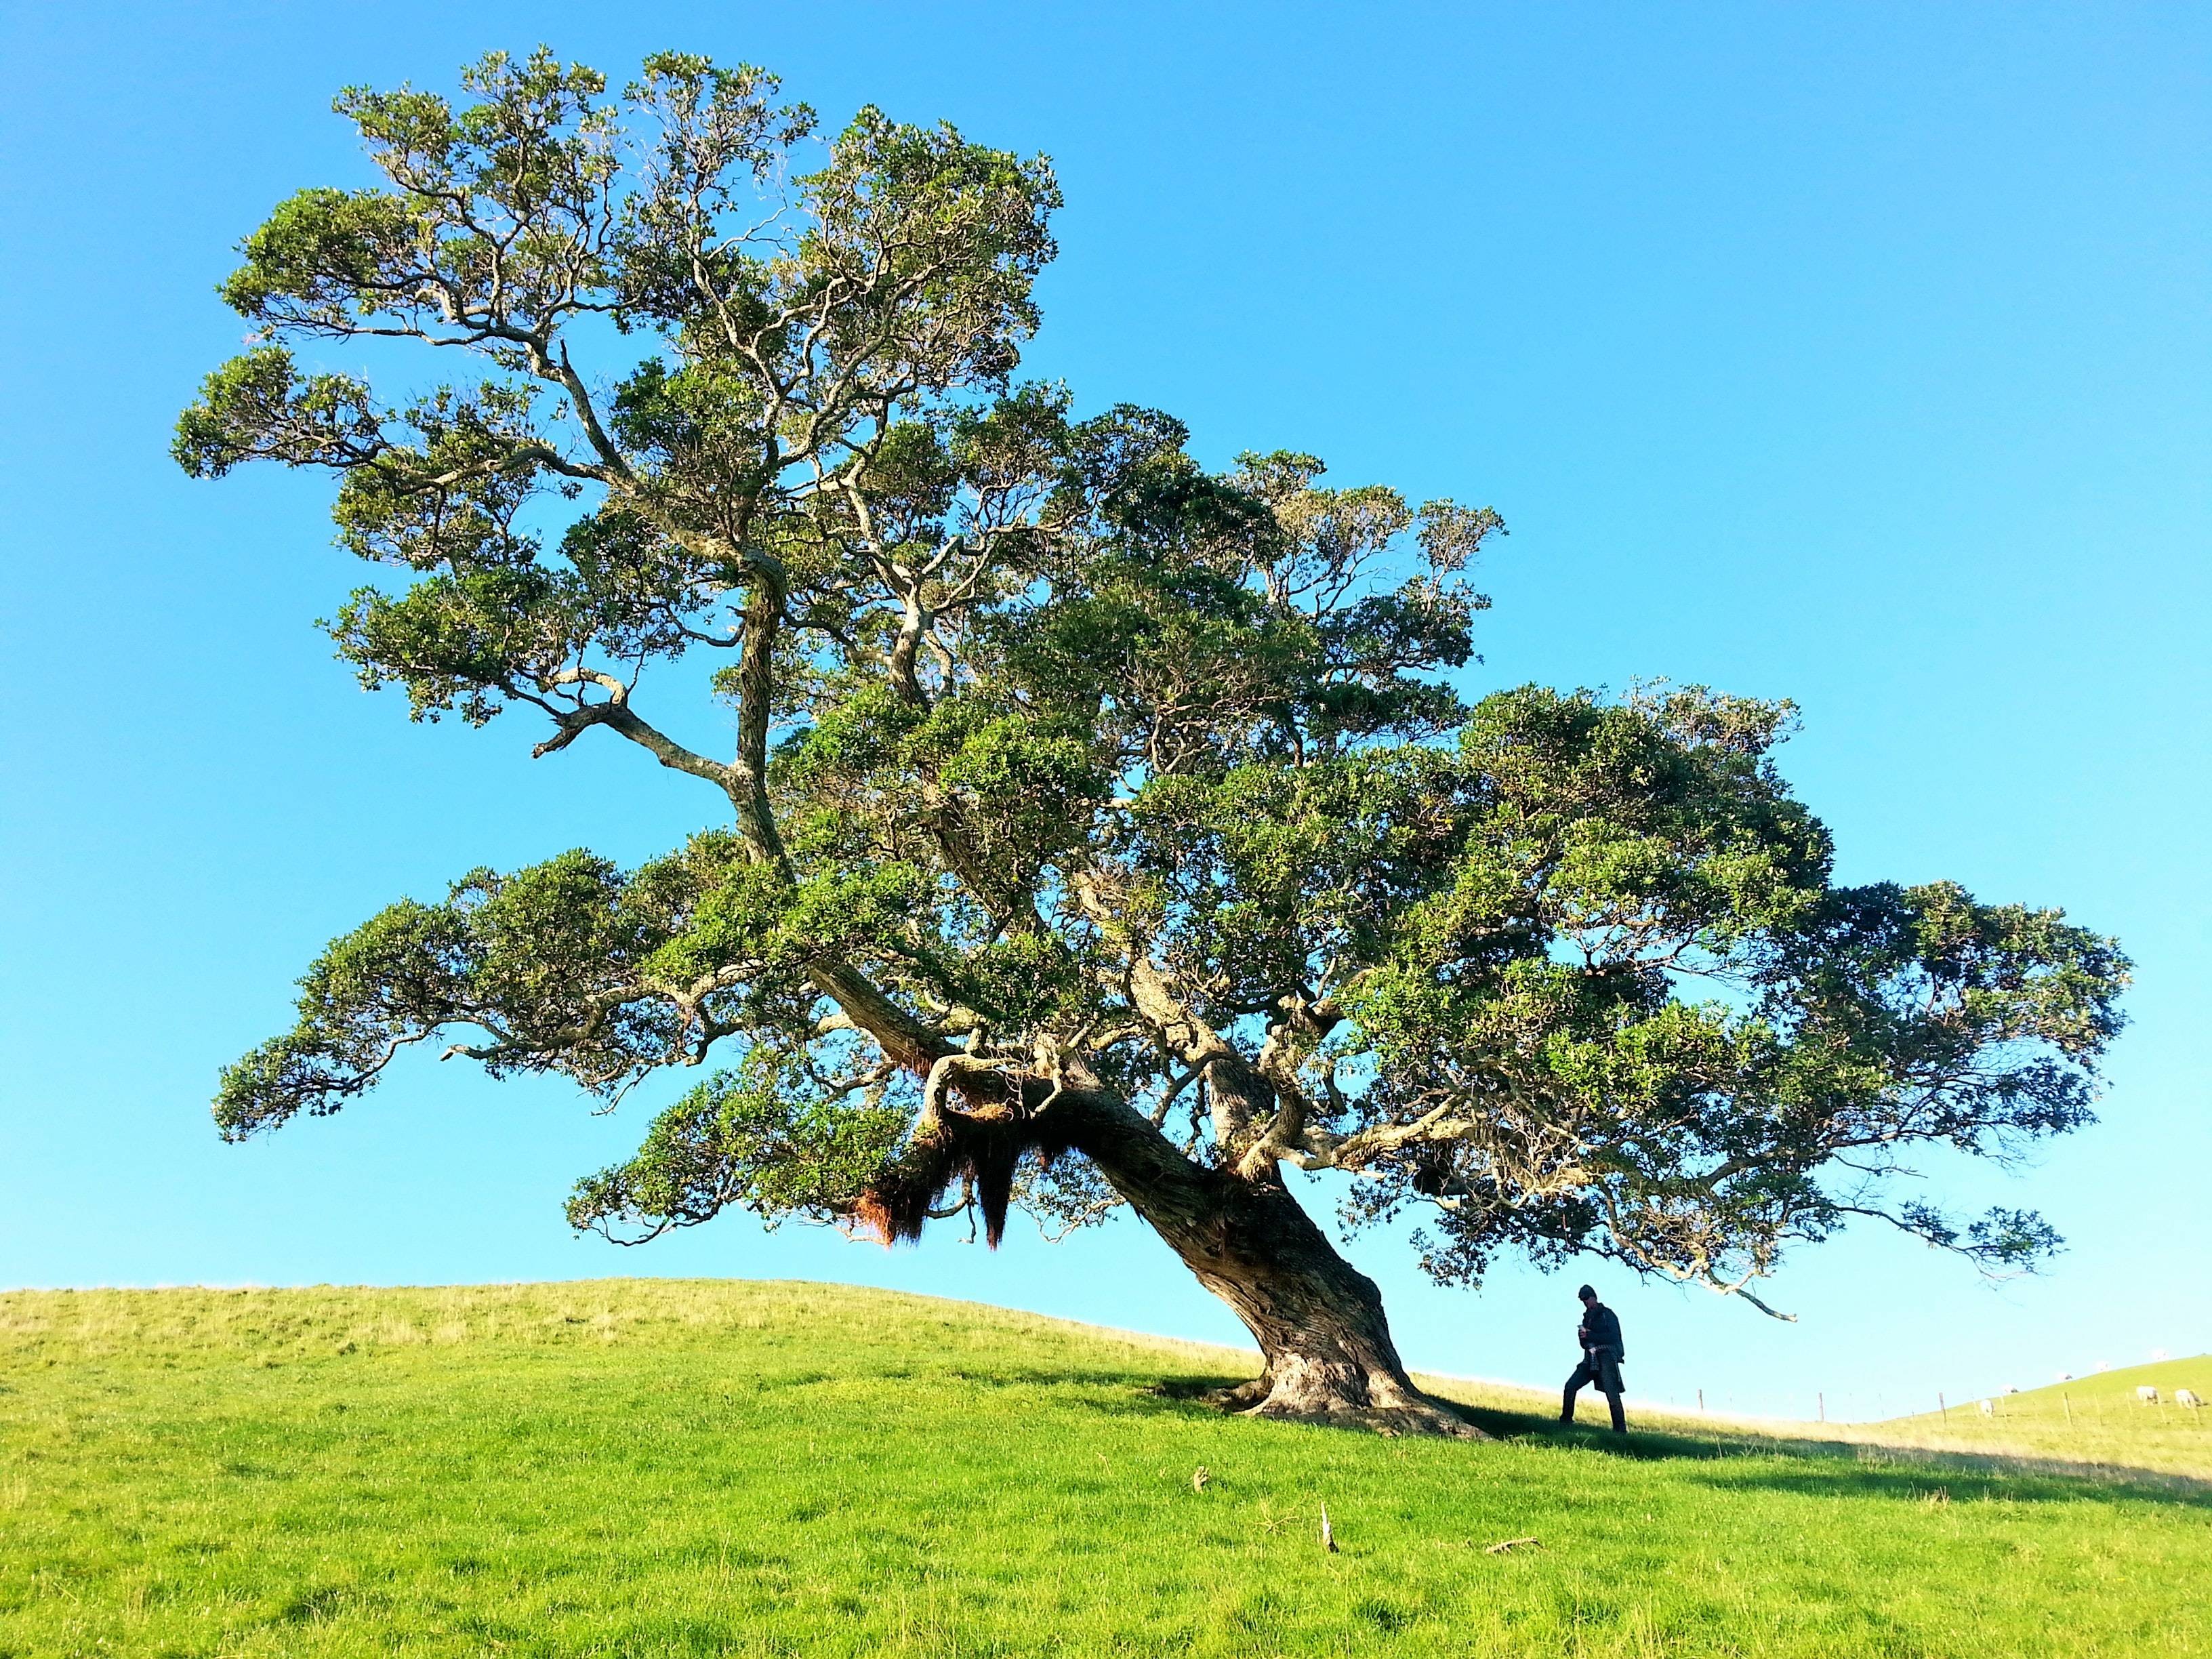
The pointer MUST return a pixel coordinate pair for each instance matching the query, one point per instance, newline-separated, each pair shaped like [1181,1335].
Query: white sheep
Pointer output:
[2186,1397]
[2147,1394]
[1989,1408]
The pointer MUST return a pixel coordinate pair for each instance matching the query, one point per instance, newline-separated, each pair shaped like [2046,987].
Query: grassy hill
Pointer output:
[2092,1419]
[664,1468]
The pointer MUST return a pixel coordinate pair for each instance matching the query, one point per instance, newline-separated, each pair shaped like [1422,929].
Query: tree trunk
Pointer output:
[1318,1320]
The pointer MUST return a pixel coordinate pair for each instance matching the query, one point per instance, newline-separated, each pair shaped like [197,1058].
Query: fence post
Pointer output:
[1943,1409]
[1701,1400]
[2066,1400]
[1823,1399]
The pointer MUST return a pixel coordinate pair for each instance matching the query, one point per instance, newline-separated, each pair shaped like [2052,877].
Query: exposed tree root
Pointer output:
[1388,1409]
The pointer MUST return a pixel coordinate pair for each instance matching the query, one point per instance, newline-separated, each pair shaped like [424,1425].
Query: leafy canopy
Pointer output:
[1065,770]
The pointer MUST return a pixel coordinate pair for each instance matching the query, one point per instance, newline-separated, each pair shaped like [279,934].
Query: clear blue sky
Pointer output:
[1856,353]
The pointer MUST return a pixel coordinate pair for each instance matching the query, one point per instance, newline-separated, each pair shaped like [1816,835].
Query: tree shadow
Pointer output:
[1187,1390]
[1813,1466]
[1835,1468]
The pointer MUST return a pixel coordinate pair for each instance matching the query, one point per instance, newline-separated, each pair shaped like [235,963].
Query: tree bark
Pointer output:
[1319,1321]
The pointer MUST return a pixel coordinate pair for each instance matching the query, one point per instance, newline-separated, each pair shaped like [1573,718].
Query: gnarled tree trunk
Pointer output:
[1318,1320]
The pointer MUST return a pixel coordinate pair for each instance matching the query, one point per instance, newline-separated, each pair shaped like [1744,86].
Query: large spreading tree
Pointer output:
[1098,829]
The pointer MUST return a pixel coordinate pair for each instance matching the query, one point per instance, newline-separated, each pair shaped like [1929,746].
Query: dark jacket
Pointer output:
[1601,1329]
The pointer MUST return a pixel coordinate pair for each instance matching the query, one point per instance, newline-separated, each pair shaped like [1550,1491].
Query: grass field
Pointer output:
[2093,1419]
[665,1467]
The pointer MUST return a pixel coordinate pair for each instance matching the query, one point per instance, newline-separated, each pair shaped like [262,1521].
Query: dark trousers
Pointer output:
[1602,1367]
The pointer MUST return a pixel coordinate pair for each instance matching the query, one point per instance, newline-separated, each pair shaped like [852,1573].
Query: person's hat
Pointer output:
[1586,1294]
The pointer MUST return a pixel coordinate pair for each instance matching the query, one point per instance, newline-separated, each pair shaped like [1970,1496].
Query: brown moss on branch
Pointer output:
[983,1148]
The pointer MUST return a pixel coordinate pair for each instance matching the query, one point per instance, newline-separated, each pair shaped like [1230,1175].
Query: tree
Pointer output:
[1099,829]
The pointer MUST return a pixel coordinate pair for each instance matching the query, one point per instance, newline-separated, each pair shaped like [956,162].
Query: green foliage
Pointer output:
[256,407]
[1628,855]
[504,220]
[770,1137]
[322,249]
[453,637]
[542,961]
[1253,874]
[482,221]
[393,980]
[885,209]
[1066,771]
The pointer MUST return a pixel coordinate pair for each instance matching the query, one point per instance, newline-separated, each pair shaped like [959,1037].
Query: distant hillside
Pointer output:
[2101,1389]
[652,1468]
[2089,1420]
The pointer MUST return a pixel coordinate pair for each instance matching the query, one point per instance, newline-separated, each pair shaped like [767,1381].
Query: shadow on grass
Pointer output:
[1814,1466]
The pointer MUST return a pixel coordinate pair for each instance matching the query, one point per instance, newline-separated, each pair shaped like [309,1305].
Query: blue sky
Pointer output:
[1853,354]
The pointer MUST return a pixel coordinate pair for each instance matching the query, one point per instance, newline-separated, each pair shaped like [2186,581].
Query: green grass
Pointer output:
[2091,1419]
[662,1467]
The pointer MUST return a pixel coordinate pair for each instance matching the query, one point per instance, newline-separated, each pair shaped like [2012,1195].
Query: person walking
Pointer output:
[1602,1352]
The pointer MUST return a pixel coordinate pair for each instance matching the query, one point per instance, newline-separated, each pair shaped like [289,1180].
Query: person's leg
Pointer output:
[1583,1374]
[1609,1381]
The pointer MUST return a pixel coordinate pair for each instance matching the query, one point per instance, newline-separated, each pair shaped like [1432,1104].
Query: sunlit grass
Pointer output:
[658,1467]
[2088,1419]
